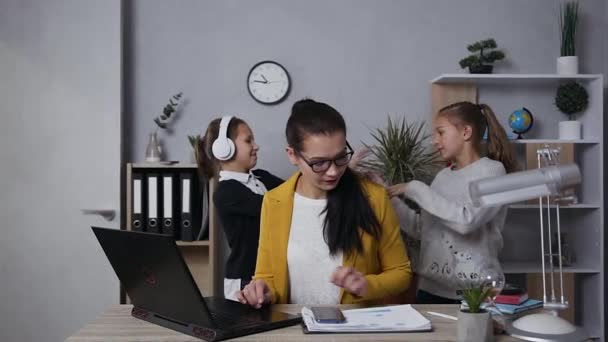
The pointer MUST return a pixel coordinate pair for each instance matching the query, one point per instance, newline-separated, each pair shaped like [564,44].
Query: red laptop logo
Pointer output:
[148,276]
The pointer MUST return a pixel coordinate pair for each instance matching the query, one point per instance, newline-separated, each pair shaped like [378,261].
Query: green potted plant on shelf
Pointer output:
[567,63]
[162,121]
[482,57]
[401,153]
[194,139]
[474,322]
[571,98]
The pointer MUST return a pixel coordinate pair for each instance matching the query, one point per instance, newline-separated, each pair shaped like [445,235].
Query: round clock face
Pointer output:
[268,82]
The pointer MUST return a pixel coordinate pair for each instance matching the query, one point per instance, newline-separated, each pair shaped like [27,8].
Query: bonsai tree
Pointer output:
[483,56]
[568,17]
[163,120]
[571,98]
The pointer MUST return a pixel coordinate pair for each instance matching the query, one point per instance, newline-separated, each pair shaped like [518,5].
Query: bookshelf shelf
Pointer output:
[582,224]
[193,243]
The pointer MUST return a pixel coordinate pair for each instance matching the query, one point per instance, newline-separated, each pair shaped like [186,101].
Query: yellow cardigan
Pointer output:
[384,262]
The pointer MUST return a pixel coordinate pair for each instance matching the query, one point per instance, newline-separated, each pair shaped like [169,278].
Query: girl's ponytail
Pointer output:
[499,147]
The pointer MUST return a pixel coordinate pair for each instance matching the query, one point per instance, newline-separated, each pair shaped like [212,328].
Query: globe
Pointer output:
[521,121]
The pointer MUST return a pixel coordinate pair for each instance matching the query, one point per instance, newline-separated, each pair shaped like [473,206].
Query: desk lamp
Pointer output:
[548,180]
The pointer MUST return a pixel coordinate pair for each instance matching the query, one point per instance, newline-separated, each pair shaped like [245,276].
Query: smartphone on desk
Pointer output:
[327,314]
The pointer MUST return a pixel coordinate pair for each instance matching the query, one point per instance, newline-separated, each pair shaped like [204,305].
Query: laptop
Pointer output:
[156,278]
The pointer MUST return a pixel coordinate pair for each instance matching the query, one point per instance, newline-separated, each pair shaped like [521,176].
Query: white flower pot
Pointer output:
[475,327]
[570,130]
[567,65]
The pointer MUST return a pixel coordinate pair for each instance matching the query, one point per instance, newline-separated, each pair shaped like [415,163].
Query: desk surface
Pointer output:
[117,325]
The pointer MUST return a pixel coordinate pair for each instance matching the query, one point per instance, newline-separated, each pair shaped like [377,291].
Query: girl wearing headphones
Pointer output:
[327,236]
[228,149]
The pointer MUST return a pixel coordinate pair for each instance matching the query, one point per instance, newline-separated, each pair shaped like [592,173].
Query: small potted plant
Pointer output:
[571,98]
[484,54]
[401,153]
[194,139]
[567,63]
[475,323]
[162,121]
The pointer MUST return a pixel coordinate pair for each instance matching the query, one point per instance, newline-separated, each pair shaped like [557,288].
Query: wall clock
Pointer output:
[268,82]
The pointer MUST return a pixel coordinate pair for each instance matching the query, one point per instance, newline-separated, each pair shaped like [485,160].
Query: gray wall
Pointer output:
[59,152]
[366,58]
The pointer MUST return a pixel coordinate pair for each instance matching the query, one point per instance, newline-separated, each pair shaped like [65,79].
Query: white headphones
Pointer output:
[223,147]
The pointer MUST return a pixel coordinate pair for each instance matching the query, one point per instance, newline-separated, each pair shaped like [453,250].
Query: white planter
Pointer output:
[570,130]
[475,327]
[567,65]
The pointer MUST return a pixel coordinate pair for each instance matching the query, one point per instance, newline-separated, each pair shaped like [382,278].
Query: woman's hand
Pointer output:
[350,280]
[256,294]
[397,189]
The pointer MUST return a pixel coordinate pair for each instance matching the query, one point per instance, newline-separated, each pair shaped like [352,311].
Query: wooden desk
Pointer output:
[117,325]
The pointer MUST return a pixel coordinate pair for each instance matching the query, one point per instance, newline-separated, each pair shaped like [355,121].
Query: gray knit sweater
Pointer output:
[458,239]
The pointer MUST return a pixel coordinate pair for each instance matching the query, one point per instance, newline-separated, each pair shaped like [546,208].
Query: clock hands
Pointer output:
[265,80]
[258,81]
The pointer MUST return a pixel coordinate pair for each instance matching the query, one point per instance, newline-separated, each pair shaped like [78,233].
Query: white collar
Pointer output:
[243,177]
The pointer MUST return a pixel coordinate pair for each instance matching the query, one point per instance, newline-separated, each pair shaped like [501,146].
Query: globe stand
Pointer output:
[515,118]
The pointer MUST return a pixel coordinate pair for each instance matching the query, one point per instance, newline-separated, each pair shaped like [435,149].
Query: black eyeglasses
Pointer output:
[323,165]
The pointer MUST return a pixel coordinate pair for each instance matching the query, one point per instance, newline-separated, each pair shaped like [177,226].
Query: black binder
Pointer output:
[186,180]
[168,204]
[138,203]
[153,224]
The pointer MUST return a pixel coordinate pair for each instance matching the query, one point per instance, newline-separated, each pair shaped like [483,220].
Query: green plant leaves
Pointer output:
[162,121]
[481,55]
[571,98]
[568,18]
[401,153]
[475,296]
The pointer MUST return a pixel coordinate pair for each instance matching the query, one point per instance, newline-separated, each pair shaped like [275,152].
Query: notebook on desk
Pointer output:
[383,319]
[160,285]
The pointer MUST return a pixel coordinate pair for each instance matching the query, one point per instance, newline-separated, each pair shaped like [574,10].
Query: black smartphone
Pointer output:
[327,314]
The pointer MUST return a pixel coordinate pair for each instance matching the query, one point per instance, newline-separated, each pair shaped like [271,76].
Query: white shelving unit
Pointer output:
[584,222]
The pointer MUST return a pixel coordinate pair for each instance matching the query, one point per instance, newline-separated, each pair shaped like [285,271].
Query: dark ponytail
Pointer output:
[348,209]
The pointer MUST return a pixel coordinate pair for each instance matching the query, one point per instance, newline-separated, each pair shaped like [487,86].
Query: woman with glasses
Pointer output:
[326,235]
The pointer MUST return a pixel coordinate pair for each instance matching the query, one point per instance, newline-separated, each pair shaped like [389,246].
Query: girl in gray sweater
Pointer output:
[458,240]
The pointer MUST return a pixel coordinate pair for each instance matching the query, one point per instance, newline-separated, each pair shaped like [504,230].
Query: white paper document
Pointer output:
[379,319]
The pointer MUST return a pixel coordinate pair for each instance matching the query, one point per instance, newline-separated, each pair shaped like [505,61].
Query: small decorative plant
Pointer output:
[163,120]
[480,62]
[474,296]
[568,18]
[571,98]
[193,139]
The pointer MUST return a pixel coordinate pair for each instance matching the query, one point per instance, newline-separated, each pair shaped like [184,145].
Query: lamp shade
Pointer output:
[523,185]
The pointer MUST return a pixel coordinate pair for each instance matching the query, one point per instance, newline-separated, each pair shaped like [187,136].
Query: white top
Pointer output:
[459,240]
[248,179]
[308,261]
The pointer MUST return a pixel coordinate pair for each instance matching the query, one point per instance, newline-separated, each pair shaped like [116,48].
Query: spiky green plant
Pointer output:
[568,18]
[400,153]
[475,296]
